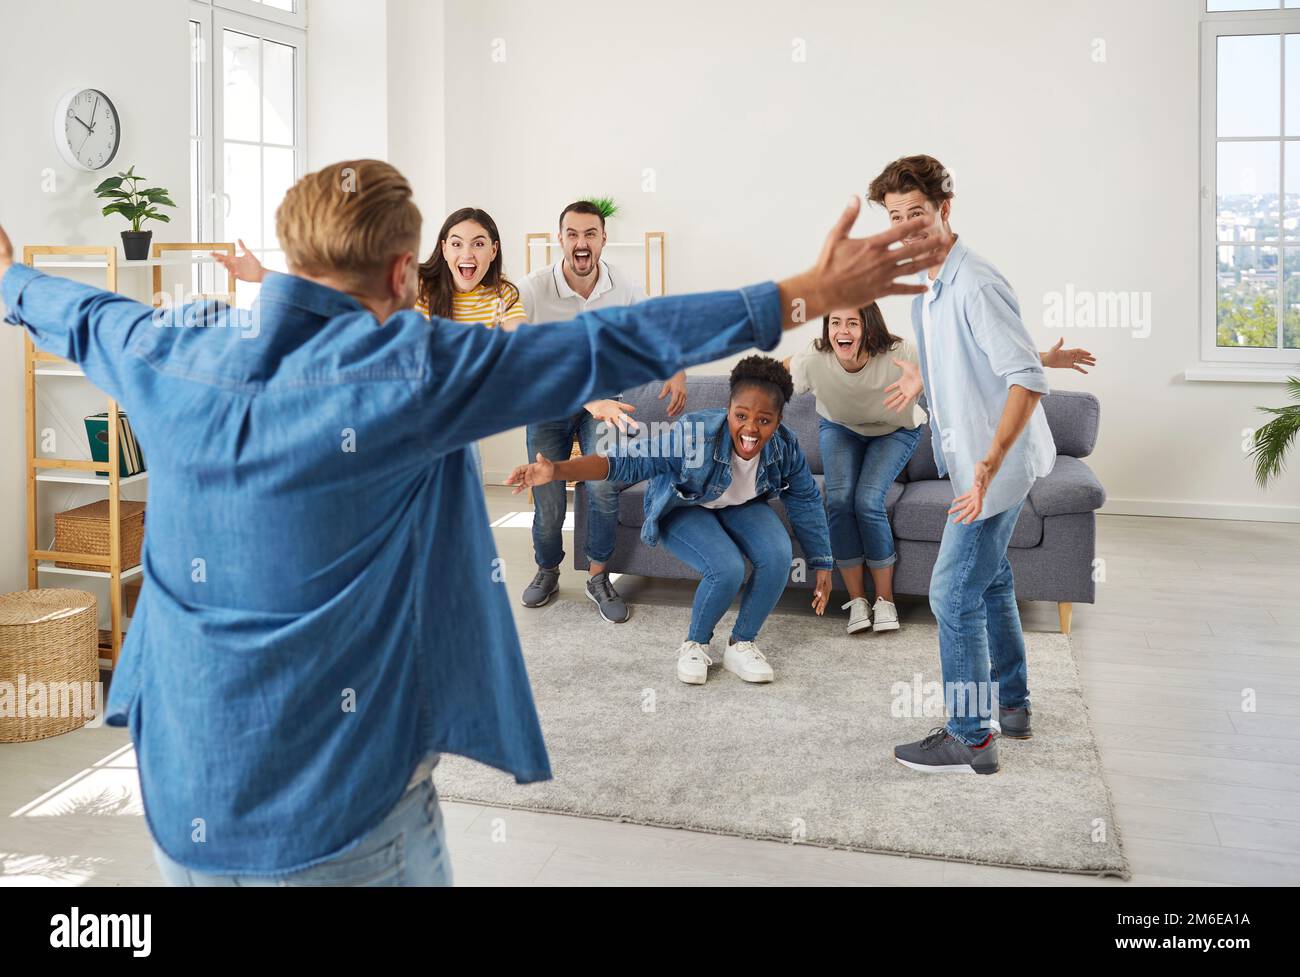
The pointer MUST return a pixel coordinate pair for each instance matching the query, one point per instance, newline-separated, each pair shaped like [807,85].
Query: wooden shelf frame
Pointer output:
[37,363]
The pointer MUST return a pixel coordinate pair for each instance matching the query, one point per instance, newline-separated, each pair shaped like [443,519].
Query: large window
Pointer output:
[1250,124]
[247,127]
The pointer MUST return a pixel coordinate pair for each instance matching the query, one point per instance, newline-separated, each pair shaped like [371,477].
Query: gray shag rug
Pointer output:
[807,759]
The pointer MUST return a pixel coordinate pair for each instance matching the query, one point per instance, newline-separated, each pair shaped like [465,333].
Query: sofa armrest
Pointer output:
[1070,488]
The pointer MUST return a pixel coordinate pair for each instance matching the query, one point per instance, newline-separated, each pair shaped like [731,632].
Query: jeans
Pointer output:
[554,439]
[715,543]
[981,646]
[859,470]
[407,848]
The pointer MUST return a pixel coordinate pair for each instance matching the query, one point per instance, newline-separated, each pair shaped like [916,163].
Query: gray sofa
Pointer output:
[1052,548]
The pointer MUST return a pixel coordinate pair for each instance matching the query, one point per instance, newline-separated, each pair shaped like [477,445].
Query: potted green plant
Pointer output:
[135,205]
[605,205]
[1274,439]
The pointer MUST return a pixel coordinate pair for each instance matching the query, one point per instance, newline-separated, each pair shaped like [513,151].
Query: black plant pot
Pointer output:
[136,244]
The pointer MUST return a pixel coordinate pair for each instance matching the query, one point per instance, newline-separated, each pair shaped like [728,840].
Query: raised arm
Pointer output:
[89,326]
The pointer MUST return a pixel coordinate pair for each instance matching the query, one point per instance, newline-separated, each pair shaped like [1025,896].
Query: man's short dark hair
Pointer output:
[582,207]
[923,174]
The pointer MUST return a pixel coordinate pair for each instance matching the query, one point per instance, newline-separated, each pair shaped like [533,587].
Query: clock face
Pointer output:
[86,129]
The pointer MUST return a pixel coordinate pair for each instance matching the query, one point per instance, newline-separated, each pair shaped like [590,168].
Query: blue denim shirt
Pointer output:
[322,604]
[976,350]
[690,464]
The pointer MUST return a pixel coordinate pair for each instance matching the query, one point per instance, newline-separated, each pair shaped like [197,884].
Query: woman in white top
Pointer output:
[865,445]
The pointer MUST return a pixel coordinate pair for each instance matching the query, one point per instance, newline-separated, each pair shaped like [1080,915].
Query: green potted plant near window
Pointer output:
[135,205]
[1274,439]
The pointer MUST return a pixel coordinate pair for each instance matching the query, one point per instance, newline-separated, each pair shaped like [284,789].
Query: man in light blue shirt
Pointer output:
[323,607]
[983,382]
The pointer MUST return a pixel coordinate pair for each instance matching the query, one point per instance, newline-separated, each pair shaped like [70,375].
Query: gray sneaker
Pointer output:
[602,593]
[544,586]
[1014,723]
[940,753]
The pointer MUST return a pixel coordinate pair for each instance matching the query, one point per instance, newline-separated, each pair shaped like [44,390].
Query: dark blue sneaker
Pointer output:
[940,753]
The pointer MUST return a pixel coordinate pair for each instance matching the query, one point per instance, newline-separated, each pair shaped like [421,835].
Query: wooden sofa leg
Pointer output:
[1066,611]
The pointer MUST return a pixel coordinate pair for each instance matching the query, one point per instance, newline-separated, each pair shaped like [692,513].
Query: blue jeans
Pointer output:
[554,439]
[859,470]
[407,848]
[715,542]
[981,646]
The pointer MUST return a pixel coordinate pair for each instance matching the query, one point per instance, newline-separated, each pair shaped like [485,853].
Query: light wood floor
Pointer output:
[1192,614]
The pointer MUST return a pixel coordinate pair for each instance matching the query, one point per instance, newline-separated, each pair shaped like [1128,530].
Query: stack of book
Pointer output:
[130,459]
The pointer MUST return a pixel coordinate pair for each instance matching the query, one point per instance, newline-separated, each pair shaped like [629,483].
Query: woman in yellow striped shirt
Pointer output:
[463,279]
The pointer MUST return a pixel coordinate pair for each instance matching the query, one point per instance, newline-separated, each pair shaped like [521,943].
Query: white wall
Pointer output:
[1066,170]
[347,82]
[417,105]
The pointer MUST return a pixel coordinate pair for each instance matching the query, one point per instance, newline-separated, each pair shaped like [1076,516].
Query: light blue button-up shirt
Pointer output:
[974,347]
[323,604]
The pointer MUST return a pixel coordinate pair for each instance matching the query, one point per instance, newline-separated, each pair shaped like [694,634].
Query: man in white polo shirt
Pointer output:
[579,282]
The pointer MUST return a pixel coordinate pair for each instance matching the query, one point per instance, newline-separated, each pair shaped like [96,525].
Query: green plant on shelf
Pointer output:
[605,205]
[131,202]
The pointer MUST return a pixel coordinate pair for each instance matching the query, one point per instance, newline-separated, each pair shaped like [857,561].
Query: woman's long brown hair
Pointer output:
[876,337]
[436,288]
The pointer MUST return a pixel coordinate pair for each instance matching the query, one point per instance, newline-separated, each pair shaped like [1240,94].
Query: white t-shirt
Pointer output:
[927,300]
[856,400]
[547,297]
[744,483]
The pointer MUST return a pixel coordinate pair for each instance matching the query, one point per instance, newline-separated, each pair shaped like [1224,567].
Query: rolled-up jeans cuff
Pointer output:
[889,561]
[856,561]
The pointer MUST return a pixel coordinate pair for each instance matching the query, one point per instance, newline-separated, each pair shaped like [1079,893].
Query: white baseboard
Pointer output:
[1201,510]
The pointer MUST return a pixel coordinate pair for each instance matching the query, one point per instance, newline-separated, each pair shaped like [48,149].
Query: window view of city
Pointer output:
[1252,276]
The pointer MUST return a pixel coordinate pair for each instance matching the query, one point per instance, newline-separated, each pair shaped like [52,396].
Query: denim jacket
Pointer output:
[323,604]
[690,463]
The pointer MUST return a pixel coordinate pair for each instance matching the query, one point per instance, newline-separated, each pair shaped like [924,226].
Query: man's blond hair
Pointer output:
[348,220]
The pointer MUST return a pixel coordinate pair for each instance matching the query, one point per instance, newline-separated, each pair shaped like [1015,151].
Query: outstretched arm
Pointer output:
[89,326]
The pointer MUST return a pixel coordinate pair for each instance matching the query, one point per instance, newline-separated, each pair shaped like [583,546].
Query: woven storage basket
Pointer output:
[85,530]
[47,636]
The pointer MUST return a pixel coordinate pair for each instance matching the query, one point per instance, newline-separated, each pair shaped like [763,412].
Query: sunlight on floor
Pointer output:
[109,786]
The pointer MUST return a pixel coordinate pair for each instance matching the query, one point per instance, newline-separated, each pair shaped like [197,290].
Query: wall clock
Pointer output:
[86,129]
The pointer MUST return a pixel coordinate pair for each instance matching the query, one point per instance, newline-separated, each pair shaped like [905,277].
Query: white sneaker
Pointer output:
[744,659]
[859,614]
[693,663]
[886,615]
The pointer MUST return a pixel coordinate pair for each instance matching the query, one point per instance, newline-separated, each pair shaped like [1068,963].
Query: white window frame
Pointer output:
[1213,26]
[255,19]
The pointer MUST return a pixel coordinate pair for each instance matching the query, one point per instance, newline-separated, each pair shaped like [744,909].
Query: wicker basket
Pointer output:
[85,530]
[47,636]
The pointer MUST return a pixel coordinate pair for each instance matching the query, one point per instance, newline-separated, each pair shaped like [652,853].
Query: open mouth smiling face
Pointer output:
[845,332]
[583,239]
[469,253]
[752,418]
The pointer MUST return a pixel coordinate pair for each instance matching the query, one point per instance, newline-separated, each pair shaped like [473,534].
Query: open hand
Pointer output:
[676,386]
[821,591]
[853,272]
[968,506]
[1073,359]
[539,472]
[906,388]
[245,267]
[614,413]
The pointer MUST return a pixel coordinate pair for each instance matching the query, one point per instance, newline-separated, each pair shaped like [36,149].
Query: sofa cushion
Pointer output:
[922,513]
[920,467]
[1074,417]
[1070,487]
